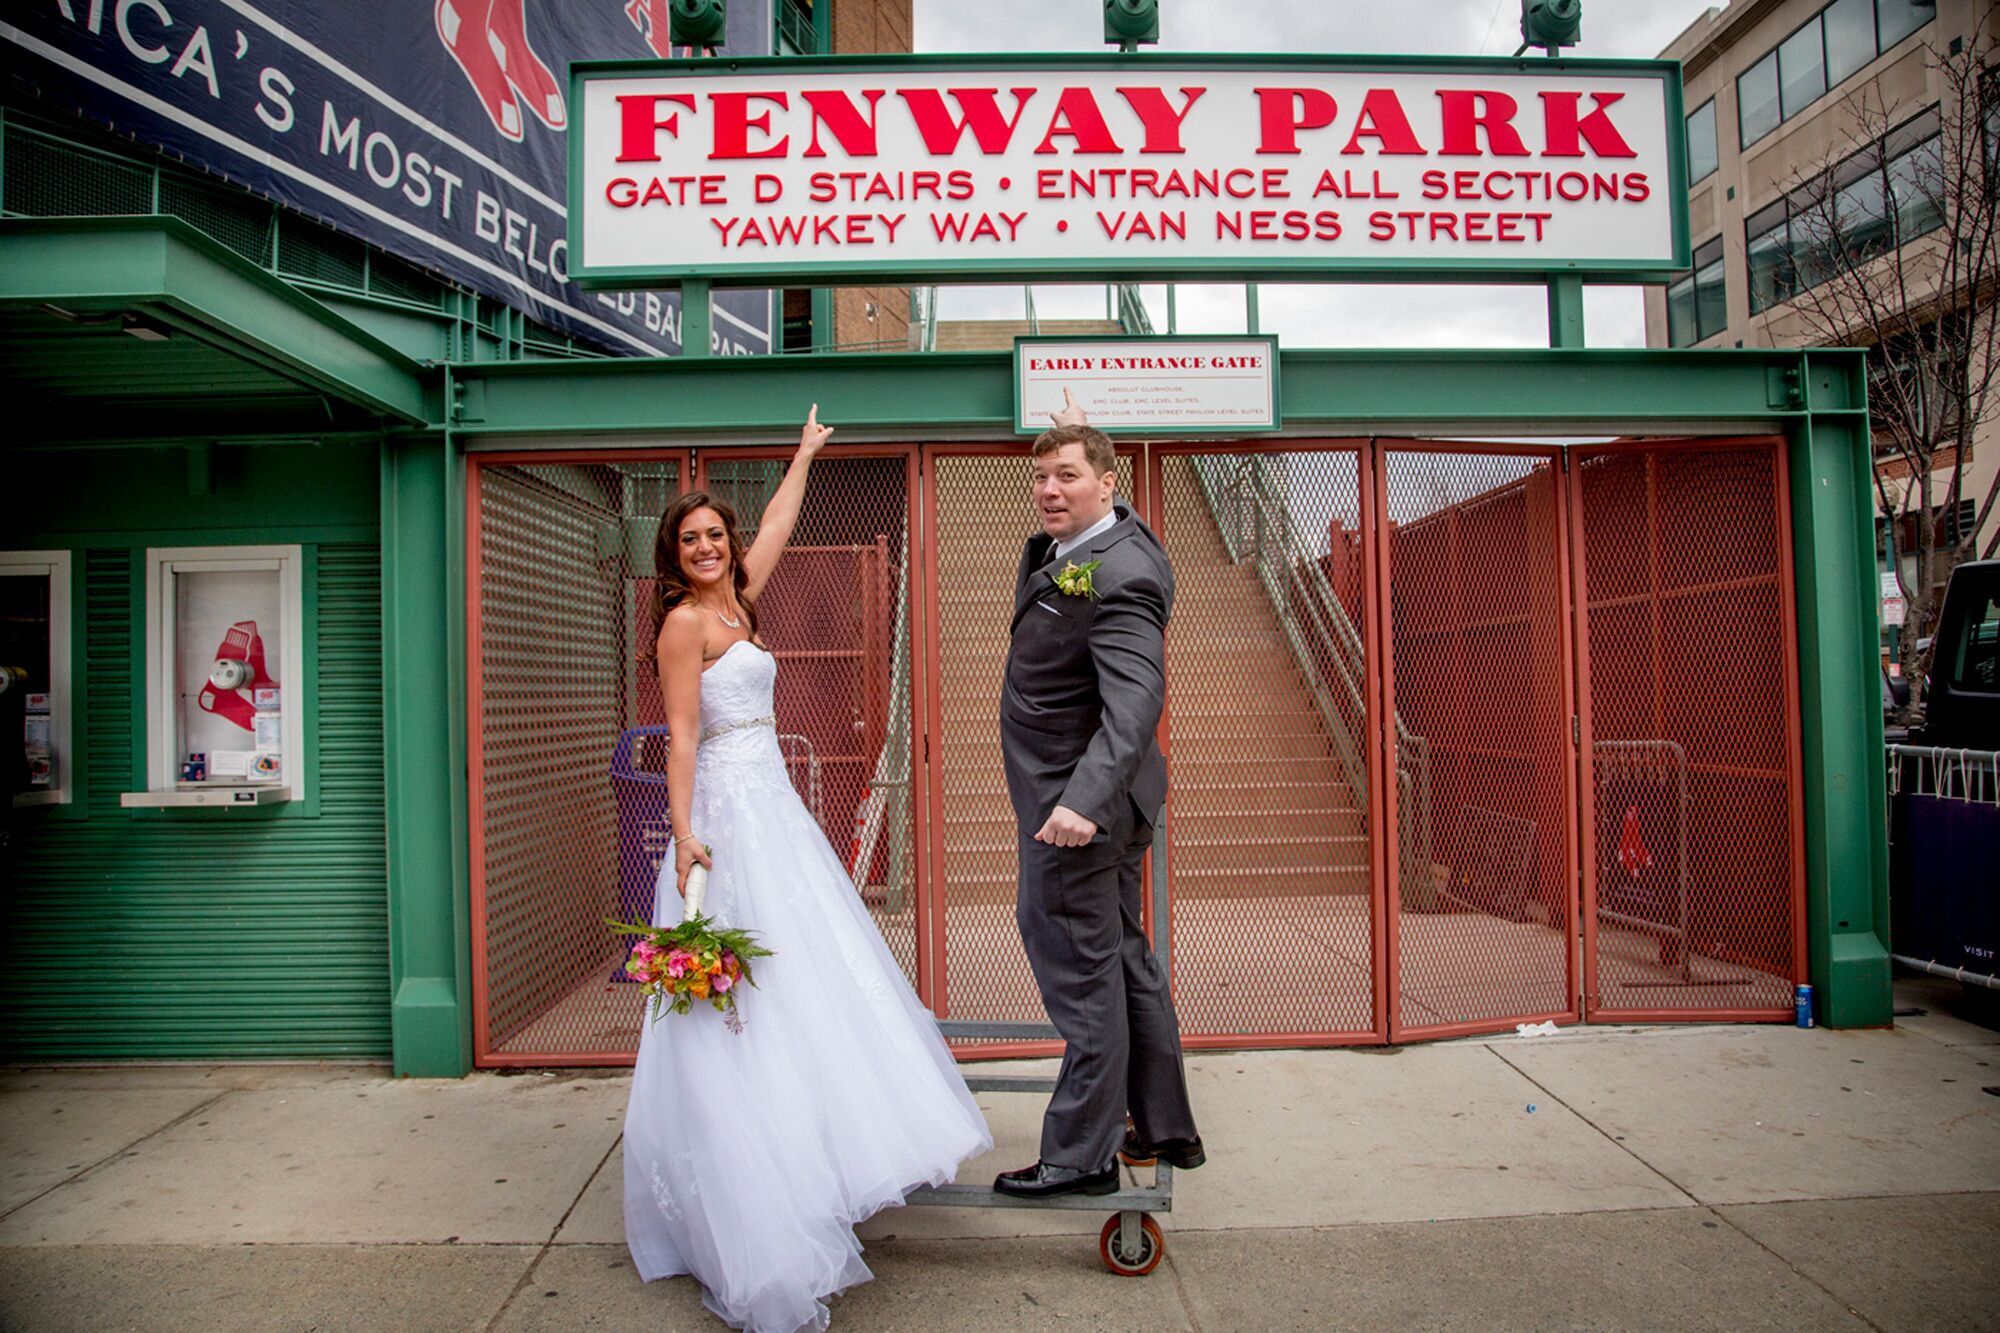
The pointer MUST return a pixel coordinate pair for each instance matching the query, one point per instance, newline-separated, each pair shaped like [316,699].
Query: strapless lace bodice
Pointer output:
[737,686]
[739,734]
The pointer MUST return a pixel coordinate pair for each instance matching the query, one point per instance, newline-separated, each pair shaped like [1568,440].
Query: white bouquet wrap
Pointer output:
[697,889]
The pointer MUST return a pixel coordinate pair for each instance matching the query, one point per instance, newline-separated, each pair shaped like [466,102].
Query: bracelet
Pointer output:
[685,837]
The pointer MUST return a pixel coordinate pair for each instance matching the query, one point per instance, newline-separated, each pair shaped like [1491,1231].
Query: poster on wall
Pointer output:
[435,129]
[229,639]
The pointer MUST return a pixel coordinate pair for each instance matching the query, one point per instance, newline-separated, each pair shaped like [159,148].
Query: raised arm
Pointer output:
[680,688]
[774,529]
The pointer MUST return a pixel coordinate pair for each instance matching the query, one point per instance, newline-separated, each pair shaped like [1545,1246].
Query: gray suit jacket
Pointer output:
[1086,680]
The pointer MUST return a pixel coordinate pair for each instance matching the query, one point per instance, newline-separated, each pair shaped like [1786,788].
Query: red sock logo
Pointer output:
[489,40]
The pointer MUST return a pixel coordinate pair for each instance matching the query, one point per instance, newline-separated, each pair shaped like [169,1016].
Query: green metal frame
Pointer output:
[1023,426]
[424,754]
[1139,268]
[1814,399]
[162,264]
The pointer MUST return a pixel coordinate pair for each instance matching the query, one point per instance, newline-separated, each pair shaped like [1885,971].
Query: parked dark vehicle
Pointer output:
[1944,804]
[1962,692]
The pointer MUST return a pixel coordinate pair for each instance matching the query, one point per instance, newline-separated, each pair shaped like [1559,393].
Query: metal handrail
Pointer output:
[1132,316]
[892,765]
[1255,523]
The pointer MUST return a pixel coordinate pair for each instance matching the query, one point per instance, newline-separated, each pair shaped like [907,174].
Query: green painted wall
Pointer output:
[197,934]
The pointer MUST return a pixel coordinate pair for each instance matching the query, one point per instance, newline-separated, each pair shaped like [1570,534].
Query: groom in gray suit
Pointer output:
[1086,678]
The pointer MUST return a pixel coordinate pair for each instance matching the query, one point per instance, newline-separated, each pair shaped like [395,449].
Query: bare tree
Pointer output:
[1894,245]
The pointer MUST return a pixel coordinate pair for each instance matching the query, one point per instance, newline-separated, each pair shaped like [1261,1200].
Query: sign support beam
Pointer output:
[695,317]
[1565,310]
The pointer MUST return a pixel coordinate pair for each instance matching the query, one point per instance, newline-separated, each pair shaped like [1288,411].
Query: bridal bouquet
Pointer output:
[695,960]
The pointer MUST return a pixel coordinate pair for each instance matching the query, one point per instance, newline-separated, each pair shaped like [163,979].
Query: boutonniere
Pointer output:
[1073,580]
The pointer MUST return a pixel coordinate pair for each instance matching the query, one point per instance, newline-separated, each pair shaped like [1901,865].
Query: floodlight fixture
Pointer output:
[699,23]
[1550,24]
[1129,23]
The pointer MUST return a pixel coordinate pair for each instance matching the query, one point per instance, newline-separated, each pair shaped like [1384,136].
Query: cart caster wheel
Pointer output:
[1152,1247]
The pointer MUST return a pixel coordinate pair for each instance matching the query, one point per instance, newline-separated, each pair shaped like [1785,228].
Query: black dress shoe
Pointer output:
[1181,1154]
[1045,1181]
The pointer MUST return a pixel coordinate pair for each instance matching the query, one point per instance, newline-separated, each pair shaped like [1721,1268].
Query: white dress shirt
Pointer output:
[1084,538]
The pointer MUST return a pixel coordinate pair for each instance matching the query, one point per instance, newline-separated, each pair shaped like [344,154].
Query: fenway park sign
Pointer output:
[1101,167]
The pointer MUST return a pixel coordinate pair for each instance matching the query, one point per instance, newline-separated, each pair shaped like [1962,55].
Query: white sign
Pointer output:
[1150,385]
[1114,167]
[1895,609]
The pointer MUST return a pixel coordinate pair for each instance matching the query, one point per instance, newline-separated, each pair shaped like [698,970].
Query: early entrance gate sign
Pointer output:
[1046,167]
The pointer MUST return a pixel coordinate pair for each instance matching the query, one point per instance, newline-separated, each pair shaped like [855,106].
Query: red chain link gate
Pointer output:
[1694,882]
[1387,662]
[1475,595]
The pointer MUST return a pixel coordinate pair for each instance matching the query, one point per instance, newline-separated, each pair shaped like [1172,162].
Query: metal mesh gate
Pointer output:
[837,614]
[555,620]
[1695,898]
[1272,886]
[1479,683]
[979,511]
[1418,691]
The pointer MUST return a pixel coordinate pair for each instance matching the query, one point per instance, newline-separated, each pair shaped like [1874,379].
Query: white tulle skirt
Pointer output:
[750,1156]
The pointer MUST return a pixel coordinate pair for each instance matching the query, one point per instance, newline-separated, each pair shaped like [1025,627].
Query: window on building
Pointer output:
[1801,69]
[1833,46]
[1992,95]
[1697,305]
[1884,196]
[1861,225]
[1850,38]
[1897,19]
[1917,185]
[1768,247]
[35,687]
[1757,107]
[225,676]
[1701,143]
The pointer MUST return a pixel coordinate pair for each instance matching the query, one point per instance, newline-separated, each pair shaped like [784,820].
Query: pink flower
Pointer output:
[644,952]
[722,983]
[679,962]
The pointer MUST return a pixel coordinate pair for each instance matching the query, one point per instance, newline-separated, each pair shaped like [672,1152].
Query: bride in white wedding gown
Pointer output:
[749,1156]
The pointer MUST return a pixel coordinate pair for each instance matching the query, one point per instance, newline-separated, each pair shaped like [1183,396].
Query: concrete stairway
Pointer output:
[1259,805]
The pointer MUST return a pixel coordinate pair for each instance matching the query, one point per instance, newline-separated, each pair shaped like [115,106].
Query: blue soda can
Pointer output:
[1802,1007]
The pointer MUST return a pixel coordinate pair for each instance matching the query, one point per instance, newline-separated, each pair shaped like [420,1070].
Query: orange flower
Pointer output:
[699,989]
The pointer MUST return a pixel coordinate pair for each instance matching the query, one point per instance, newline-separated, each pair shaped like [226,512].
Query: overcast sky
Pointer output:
[1332,314]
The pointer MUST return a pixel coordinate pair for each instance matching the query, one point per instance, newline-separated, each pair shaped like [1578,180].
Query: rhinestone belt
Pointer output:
[724,728]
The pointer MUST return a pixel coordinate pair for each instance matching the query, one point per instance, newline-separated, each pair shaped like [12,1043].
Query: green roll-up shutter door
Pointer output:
[215,934]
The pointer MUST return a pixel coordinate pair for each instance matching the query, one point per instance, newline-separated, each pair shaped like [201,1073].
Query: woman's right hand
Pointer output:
[687,854]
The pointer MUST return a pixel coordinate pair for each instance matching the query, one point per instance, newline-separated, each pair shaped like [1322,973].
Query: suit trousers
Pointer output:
[1107,994]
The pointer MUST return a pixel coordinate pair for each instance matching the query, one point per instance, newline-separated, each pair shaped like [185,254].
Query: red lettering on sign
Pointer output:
[733,123]
[1283,112]
[640,123]
[1382,119]
[837,113]
[980,113]
[1467,111]
[1156,113]
[1077,117]
[1567,132]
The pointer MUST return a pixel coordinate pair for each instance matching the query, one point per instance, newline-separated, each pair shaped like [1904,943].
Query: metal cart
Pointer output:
[1131,1243]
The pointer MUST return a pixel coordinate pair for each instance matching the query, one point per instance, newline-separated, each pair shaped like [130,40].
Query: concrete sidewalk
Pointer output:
[1683,1178]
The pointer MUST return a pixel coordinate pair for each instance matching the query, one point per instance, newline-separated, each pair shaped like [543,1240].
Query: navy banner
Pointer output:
[435,129]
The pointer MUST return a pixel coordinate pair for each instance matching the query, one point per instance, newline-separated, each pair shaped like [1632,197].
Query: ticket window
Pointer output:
[225,677]
[35,699]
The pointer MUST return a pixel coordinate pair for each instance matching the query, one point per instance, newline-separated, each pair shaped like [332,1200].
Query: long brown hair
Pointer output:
[670,583]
